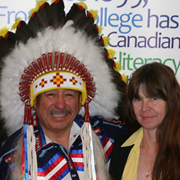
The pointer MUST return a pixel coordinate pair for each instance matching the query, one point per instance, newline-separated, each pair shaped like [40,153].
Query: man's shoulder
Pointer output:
[102,122]
[9,143]
[7,151]
[101,119]
[93,119]
[104,127]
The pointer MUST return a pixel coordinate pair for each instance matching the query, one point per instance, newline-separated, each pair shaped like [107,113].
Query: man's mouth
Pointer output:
[59,115]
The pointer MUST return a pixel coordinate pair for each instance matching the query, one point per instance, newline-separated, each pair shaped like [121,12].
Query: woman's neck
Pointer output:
[148,152]
[149,139]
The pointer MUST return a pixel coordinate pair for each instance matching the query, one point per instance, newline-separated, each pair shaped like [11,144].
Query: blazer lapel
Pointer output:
[119,157]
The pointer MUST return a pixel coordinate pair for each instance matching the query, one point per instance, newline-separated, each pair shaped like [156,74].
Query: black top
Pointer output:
[119,156]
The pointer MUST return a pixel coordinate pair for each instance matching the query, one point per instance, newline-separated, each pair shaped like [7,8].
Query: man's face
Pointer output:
[56,109]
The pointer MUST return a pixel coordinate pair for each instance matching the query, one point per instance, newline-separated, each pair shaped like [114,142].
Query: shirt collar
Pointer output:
[135,138]
[74,133]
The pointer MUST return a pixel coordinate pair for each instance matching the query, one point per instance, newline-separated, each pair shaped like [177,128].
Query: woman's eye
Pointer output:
[154,98]
[138,99]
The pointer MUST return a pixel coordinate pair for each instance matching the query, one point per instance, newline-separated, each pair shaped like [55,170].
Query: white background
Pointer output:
[163,12]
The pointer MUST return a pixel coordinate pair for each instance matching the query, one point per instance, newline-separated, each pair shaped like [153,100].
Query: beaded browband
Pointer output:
[54,71]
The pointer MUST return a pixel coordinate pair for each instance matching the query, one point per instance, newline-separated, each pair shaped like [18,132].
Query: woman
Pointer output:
[152,152]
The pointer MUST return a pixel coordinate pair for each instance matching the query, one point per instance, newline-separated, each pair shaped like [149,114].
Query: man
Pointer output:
[66,81]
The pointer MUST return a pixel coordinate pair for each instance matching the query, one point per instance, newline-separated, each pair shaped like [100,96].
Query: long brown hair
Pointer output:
[158,80]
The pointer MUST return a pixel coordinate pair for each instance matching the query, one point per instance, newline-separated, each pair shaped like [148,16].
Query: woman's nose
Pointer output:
[145,105]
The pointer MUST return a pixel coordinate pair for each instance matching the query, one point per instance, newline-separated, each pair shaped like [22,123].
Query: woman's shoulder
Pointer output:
[122,138]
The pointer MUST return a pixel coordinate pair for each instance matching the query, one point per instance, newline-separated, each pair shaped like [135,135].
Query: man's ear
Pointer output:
[35,103]
[80,100]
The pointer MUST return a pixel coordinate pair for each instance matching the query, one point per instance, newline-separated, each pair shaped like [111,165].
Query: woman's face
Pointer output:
[149,111]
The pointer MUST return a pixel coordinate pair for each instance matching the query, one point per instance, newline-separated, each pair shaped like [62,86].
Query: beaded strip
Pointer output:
[55,62]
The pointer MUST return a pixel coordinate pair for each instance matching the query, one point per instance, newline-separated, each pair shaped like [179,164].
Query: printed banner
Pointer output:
[141,31]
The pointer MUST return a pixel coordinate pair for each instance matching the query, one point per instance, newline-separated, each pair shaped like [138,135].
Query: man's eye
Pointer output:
[68,94]
[50,95]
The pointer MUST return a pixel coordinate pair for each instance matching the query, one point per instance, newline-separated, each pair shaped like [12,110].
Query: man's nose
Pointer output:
[60,102]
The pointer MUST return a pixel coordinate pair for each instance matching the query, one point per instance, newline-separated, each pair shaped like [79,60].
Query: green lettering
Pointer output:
[138,61]
[147,59]
[157,59]
[128,62]
[174,62]
[124,61]
[120,57]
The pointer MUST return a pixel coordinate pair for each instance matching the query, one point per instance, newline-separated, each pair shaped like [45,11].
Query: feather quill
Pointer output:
[24,32]
[7,43]
[45,16]
[34,23]
[58,13]
[77,15]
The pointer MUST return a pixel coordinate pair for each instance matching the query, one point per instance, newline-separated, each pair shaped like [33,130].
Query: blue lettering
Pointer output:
[18,14]
[3,14]
[110,19]
[127,21]
[112,38]
[166,22]
[124,29]
[137,17]
[3,7]
[175,22]
[9,16]
[150,16]
[162,21]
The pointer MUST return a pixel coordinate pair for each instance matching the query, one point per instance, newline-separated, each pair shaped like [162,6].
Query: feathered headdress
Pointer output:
[52,51]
